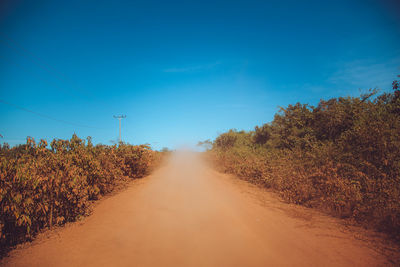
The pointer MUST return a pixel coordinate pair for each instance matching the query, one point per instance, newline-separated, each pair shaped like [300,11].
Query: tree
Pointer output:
[207,144]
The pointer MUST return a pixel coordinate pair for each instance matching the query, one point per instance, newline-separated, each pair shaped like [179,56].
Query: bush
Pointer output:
[342,156]
[41,187]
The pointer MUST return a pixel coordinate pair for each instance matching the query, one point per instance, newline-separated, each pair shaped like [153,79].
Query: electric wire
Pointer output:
[52,72]
[47,116]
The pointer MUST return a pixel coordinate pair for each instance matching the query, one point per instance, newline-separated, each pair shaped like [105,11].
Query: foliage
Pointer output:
[206,144]
[42,186]
[342,156]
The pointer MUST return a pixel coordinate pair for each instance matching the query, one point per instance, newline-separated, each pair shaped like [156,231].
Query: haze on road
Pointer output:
[186,214]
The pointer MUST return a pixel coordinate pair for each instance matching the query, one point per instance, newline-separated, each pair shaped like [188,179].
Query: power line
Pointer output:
[47,116]
[53,72]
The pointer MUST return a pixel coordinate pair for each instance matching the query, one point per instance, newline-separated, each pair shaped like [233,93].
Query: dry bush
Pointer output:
[342,156]
[41,186]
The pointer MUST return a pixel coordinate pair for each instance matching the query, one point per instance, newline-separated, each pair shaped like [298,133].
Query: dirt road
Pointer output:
[185,214]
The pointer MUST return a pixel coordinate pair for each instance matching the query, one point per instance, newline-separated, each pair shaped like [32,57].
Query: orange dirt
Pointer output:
[185,214]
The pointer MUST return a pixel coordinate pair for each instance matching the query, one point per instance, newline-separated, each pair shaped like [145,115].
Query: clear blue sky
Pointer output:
[183,71]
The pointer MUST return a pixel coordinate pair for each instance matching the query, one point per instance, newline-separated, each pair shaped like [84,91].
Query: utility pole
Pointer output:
[120,117]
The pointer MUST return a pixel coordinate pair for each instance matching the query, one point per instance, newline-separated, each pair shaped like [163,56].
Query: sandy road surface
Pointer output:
[185,214]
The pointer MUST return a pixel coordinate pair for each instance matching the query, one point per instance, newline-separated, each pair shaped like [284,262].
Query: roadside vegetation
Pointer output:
[42,185]
[341,156]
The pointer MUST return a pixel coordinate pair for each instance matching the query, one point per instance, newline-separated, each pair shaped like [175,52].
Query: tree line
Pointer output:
[341,156]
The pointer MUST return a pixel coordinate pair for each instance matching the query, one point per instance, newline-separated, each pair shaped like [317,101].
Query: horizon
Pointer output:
[183,72]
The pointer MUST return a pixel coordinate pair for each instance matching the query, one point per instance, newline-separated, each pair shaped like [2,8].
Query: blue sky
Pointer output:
[183,71]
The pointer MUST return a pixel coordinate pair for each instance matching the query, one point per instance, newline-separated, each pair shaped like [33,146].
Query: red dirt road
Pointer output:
[185,214]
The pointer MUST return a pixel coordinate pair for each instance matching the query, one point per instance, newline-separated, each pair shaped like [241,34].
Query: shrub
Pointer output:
[42,186]
[342,156]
